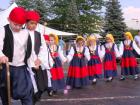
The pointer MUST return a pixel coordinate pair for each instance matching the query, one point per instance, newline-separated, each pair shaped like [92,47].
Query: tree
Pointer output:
[72,17]
[41,7]
[38,5]
[90,15]
[79,16]
[28,4]
[57,13]
[114,21]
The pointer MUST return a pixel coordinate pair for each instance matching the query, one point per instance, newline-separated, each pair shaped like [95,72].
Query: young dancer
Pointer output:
[58,82]
[50,61]
[38,61]
[78,73]
[110,52]
[128,59]
[94,64]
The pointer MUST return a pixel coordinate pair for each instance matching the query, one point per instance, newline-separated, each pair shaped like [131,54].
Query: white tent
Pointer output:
[40,28]
[4,15]
[3,21]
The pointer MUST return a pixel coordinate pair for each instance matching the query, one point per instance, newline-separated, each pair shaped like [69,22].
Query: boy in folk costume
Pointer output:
[49,89]
[110,52]
[78,73]
[58,82]
[128,59]
[15,48]
[38,61]
[94,64]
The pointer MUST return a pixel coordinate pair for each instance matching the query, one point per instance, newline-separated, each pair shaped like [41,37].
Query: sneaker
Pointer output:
[94,81]
[68,87]
[122,78]
[65,91]
[109,79]
[136,77]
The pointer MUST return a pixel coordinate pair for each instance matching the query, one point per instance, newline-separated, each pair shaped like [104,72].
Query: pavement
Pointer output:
[103,93]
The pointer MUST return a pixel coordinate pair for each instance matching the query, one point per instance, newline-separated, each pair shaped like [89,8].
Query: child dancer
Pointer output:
[49,89]
[78,73]
[110,52]
[38,61]
[94,64]
[128,60]
[15,48]
[49,66]
[57,70]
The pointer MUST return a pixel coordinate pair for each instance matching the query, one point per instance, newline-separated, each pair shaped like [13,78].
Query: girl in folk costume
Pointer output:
[94,64]
[78,73]
[110,52]
[38,61]
[57,73]
[128,59]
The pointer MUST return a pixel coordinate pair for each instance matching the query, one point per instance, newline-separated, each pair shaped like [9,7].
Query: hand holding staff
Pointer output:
[4,60]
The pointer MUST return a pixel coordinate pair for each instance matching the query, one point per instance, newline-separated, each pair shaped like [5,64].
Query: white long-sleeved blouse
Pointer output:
[72,52]
[100,53]
[135,47]
[59,51]
[109,45]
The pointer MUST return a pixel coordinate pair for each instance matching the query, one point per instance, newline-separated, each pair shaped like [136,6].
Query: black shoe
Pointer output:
[78,87]
[37,97]
[55,91]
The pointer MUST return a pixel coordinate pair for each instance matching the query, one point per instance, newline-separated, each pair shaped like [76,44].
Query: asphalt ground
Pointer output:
[103,93]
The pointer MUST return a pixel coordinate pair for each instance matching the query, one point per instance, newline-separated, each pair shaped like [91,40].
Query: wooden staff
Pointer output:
[0,66]
[8,83]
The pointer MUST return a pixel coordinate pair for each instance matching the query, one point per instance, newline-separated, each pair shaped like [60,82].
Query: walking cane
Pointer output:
[0,66]
[8,83]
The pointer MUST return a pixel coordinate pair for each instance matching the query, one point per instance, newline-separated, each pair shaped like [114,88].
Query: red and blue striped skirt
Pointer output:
[110,65]
[94,67]
[77,73]
[129,63]
[57,73]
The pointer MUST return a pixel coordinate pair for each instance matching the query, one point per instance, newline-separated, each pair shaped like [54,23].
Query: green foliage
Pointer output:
[38,5]
[114,21]
[78,16]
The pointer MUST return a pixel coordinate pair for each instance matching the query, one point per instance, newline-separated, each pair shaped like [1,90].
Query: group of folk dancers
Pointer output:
[36,61]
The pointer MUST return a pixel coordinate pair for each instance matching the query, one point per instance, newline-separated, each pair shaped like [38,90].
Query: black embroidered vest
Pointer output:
[8,46]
